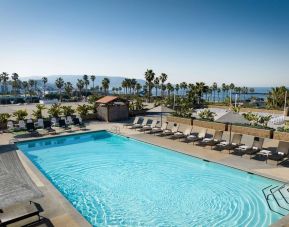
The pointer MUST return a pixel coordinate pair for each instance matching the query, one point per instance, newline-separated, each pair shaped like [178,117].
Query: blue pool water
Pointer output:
[116,181]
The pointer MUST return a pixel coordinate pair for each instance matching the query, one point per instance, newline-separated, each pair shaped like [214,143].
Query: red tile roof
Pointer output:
[107,99]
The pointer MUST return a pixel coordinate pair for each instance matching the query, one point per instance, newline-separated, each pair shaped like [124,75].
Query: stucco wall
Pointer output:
[112,113]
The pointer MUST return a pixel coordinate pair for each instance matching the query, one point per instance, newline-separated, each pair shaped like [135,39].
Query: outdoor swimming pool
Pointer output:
[116,181]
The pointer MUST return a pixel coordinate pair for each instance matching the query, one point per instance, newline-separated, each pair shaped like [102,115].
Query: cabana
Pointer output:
[111,108]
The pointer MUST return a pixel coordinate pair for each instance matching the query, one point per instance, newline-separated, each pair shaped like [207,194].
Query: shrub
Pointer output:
[136,104]
[4,117]
[38,112]
[55,110]
[67,110]
[256,119]
[20,114]
[83,110]
[207,115]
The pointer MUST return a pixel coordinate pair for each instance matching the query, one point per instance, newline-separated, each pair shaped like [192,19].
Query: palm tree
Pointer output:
[224,89]
[25,87]
[31,84]
[4,79]
[124,84]
[105,84]
[35,87]
[92,78]
[86,83]
[15,78]
[133,84]
[68,88]
[200,88]
[44,81]
[177,88]
[184,86]
[138,88]
[214,88]
[163,79]
[218,92]
[59,83]
[170,89]
[149,76]
[276,97]
[80,86]
[128,81]
[157,83]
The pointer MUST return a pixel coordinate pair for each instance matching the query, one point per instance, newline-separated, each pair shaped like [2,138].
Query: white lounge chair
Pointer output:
[148,127]
[168,132]
[136,120]
[194,138]
[136,126]
[179,135]
[159,129]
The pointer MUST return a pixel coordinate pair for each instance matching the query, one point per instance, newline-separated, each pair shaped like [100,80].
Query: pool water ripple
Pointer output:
[115,181]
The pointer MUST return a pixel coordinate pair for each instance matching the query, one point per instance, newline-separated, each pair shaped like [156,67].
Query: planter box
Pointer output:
[281,136]
[180,120]
[265,133]
[3,126]
[210,125]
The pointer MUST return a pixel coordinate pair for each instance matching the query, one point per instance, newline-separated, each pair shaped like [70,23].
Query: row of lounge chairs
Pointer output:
[52,126]
[253,148]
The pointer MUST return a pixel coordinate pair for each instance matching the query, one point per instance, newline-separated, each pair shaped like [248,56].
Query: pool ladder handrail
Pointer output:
[13,140]
[273,190]
[115,129]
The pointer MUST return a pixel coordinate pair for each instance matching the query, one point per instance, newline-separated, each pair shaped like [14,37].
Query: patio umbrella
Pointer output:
[161,109]
[232,118]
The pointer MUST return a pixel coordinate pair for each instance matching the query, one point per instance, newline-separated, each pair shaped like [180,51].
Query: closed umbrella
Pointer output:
[232,118]
[161,109]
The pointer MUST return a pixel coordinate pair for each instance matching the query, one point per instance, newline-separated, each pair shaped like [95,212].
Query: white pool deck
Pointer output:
[61,213]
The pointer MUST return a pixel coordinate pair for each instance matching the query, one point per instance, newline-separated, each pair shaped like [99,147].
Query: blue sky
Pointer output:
[240,41]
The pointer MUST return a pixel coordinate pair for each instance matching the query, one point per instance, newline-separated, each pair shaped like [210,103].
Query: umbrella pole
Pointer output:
[161,118]
[230,133]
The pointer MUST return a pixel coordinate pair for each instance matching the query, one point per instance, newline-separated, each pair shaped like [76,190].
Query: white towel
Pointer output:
[178,133]
[243,147]
[207,139]
[265,152]
[224,143]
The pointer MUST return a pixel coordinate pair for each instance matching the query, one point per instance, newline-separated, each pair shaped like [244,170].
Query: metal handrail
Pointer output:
[266,197]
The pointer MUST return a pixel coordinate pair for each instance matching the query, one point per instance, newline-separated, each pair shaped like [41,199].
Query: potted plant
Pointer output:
[38,112]
[83,110]
[3,120]
[55,110]
[20,114]
[67,110]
